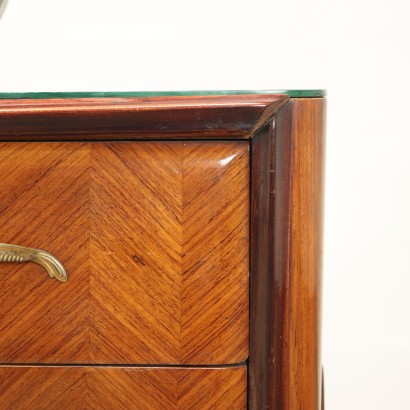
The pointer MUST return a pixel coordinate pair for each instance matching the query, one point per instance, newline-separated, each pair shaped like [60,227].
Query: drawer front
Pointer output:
[122,388]
[154,237]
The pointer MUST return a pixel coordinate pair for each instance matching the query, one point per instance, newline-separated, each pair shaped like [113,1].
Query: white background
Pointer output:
[358,50]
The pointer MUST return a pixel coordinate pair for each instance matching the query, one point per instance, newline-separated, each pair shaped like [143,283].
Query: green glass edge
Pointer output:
[125,94]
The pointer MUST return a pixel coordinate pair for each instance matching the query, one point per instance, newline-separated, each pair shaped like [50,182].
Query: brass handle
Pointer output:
[14,253]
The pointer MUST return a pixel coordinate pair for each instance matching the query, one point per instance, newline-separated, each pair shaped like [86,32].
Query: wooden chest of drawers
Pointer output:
[181,235]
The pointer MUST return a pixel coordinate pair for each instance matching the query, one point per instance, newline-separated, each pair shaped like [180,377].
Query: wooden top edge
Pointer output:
[220,116]
[141,103]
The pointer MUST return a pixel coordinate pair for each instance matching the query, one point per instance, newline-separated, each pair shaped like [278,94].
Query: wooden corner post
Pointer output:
[286,258]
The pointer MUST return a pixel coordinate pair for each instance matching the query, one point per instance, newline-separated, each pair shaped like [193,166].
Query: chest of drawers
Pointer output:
[161,251]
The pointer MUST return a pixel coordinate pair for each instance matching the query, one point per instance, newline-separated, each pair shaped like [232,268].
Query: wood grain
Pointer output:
[287,157]
[75,388]
[44,204]
[155,240]
[260,251]
[179,117]
[305,262]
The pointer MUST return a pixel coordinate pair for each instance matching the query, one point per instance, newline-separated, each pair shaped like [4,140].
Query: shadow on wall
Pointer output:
[2,6]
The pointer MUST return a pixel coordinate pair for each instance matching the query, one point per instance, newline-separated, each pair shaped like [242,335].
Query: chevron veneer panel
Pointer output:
[110,388]
[154,236]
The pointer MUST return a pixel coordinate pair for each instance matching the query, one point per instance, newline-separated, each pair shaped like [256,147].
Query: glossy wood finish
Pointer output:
[180,117]
[111,388]
[261,244]
[188,205]
[44,204]
[305,262]
[155,240]
[287,158]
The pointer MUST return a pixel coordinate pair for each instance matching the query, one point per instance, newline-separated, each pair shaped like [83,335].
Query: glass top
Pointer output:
[125,94]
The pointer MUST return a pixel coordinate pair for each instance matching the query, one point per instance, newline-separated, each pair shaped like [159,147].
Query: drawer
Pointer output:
[122,388]
[155,239]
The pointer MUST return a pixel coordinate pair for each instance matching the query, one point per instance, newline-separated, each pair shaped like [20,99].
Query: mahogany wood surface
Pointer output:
[286,245]
[179,117]
[305,256]
[261,243]
[155,238]
[111,388]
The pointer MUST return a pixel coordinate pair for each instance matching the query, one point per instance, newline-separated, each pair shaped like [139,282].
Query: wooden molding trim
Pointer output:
[286,247]
[177,117]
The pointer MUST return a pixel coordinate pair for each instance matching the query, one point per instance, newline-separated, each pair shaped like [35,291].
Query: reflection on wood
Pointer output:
[155,239]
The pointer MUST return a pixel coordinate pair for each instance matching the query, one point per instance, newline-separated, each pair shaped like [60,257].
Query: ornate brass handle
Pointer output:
[14,253]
